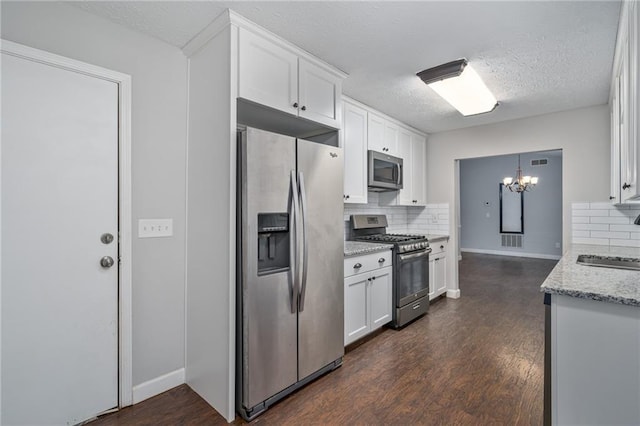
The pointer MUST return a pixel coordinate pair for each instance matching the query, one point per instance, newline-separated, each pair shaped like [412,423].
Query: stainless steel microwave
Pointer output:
[385,172]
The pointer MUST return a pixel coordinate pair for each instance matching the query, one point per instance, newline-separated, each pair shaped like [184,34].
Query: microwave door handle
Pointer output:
[399,179]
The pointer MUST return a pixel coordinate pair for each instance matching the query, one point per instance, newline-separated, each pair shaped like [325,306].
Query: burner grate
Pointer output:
[391,238]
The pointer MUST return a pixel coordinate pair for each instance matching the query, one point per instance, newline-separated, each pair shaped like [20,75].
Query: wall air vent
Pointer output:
[540,162]
[512,240]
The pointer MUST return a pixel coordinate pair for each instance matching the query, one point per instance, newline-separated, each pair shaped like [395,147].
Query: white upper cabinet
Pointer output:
[386,135]
[354,143]
[383,135]
[625,111]
[418,170]
[319,94]
[404,152]
[376,126]
[273,75]
[412,148]
[268,73]
[391,138]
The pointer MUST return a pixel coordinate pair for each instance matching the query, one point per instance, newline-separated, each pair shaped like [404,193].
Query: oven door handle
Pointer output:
[410,256]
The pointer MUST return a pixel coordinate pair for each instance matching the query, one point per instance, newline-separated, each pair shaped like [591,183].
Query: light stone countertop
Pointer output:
[588,282]
[353,248]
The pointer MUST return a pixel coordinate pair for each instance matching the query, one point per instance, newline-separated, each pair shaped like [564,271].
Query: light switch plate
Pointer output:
[154,228]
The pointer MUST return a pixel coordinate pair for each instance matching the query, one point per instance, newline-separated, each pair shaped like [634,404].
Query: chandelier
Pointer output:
[521,183]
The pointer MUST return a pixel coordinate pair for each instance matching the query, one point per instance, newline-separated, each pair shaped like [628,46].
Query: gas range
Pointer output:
[410,266]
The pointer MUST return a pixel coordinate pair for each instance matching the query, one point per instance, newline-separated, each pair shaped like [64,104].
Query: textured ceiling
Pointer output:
[535,56]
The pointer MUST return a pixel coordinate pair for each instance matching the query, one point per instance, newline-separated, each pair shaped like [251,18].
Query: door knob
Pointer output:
[106,262]
[106,238]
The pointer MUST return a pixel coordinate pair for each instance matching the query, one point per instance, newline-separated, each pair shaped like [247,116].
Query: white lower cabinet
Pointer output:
[368,300]
[438,269]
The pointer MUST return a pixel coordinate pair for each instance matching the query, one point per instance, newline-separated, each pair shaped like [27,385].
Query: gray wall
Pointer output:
[479,179]
[159,93]
[582,134]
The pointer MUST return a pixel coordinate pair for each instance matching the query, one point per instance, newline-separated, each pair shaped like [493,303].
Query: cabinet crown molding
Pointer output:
[229,17]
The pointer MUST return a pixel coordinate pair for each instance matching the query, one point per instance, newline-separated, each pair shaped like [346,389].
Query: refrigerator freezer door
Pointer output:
[269,328]
[321,322]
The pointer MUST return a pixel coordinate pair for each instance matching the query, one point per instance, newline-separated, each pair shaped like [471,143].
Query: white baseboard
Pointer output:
[158,385]
[453,294]
[512,253]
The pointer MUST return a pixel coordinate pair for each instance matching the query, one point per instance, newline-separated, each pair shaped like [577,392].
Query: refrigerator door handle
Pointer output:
[294,209]
[305,244]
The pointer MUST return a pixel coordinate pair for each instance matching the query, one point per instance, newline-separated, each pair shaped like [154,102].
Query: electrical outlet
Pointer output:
[154,228]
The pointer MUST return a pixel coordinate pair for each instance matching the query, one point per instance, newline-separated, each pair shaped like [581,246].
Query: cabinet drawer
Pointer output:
[438,247]
[368,262]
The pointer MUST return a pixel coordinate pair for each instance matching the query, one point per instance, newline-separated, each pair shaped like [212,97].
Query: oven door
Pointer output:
[412,276]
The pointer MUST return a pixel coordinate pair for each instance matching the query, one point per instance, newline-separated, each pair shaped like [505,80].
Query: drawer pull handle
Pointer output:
[357,265]
[416,306]
[381,260]
[441,247]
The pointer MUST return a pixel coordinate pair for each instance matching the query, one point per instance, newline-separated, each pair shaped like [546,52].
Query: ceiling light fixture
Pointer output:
[461,86]
[521,183]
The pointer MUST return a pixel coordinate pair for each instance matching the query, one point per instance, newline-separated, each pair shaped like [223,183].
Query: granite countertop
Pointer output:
[588,282]
[352,248]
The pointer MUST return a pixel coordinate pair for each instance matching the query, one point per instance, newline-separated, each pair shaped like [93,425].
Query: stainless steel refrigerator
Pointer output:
[290,266]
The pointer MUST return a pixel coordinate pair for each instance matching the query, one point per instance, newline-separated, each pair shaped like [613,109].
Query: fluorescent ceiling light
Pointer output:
[461,86]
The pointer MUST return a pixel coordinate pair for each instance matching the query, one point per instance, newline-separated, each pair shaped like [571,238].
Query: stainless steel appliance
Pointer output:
[385,172]
[290,296]
[410,266]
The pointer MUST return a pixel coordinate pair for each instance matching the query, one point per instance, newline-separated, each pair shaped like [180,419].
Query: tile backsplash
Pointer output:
[605,224]
[432,219]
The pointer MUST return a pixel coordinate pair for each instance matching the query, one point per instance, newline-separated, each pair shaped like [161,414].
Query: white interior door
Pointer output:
[59,195]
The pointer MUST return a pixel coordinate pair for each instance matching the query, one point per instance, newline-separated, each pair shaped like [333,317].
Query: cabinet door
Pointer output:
[440,275]
[418,170]
[268,73]
[354,137]
[391,136]
[381,297]
[634,93]
[627,145]
[615,144]
[319,94]
[375,129]
[356,323]
[405,195]
[432,278]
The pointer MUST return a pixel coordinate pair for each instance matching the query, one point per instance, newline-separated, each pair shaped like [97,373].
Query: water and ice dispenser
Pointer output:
[273,243]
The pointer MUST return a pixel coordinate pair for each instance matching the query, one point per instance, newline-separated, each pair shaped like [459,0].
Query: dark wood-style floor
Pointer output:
[472,361]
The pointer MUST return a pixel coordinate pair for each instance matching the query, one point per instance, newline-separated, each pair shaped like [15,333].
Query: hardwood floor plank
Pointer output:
[477,360]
